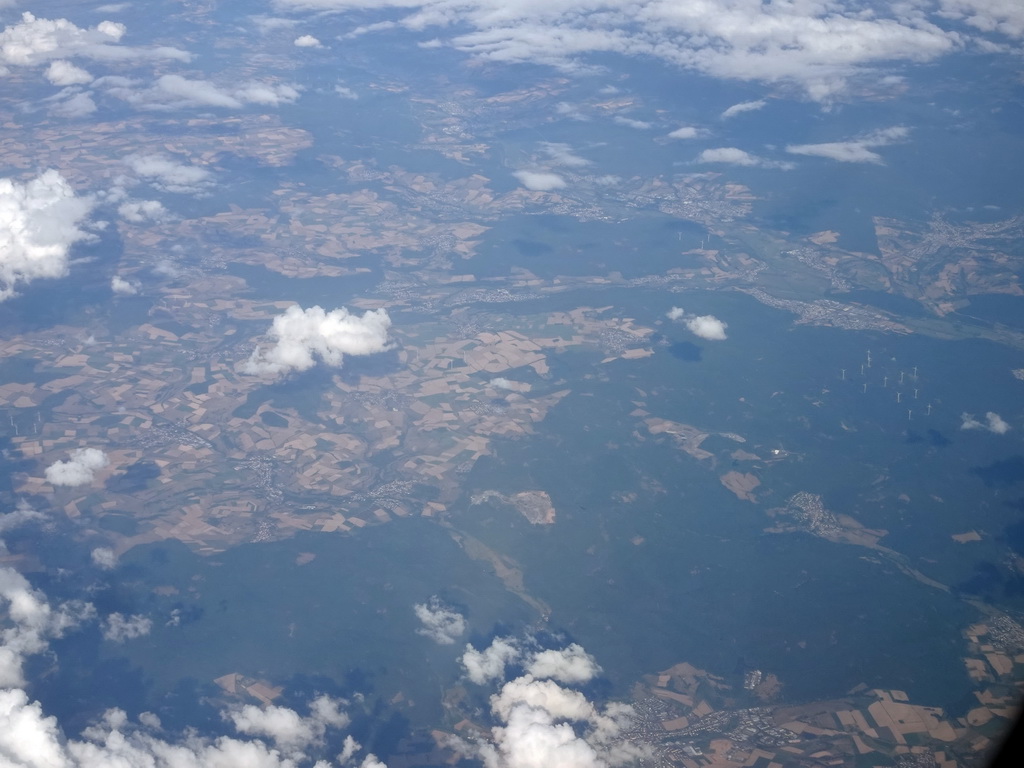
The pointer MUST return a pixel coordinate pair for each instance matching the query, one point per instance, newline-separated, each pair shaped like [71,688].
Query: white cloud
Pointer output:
[103,557]
[569,665]
[142,210]
[349,748]
[705,326]
[817,45]
[440,623]
[345,92]
[854,150]
[169,176]
[118,628]
[562,154]
[175,91]
[80,469]
[201,92]
[540,181]
[735,156]
[993,423]
[112,29]
[291,733]
[121,286]
[730,155]
[32,621]
[28,738]
[299,334]
[63,73]
[328,711]
[543,723]
[489,664]
[686,132]
[38,225]
[559,702]
[35,41]
[307,41]
[743,106]
[31,739]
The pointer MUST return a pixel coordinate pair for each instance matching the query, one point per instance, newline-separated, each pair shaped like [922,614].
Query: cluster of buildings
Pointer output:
[694,719]
[834,314]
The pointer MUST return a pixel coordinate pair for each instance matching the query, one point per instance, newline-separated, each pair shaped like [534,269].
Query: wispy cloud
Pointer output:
[743,106]
[562,154]
[629,122]
[168,175]
[178,92]
[993,423]
[540,181]
[854,150]
[818,46]
[736,156]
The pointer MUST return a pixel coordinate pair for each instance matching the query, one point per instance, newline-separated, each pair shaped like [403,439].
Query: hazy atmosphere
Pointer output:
[403,383]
